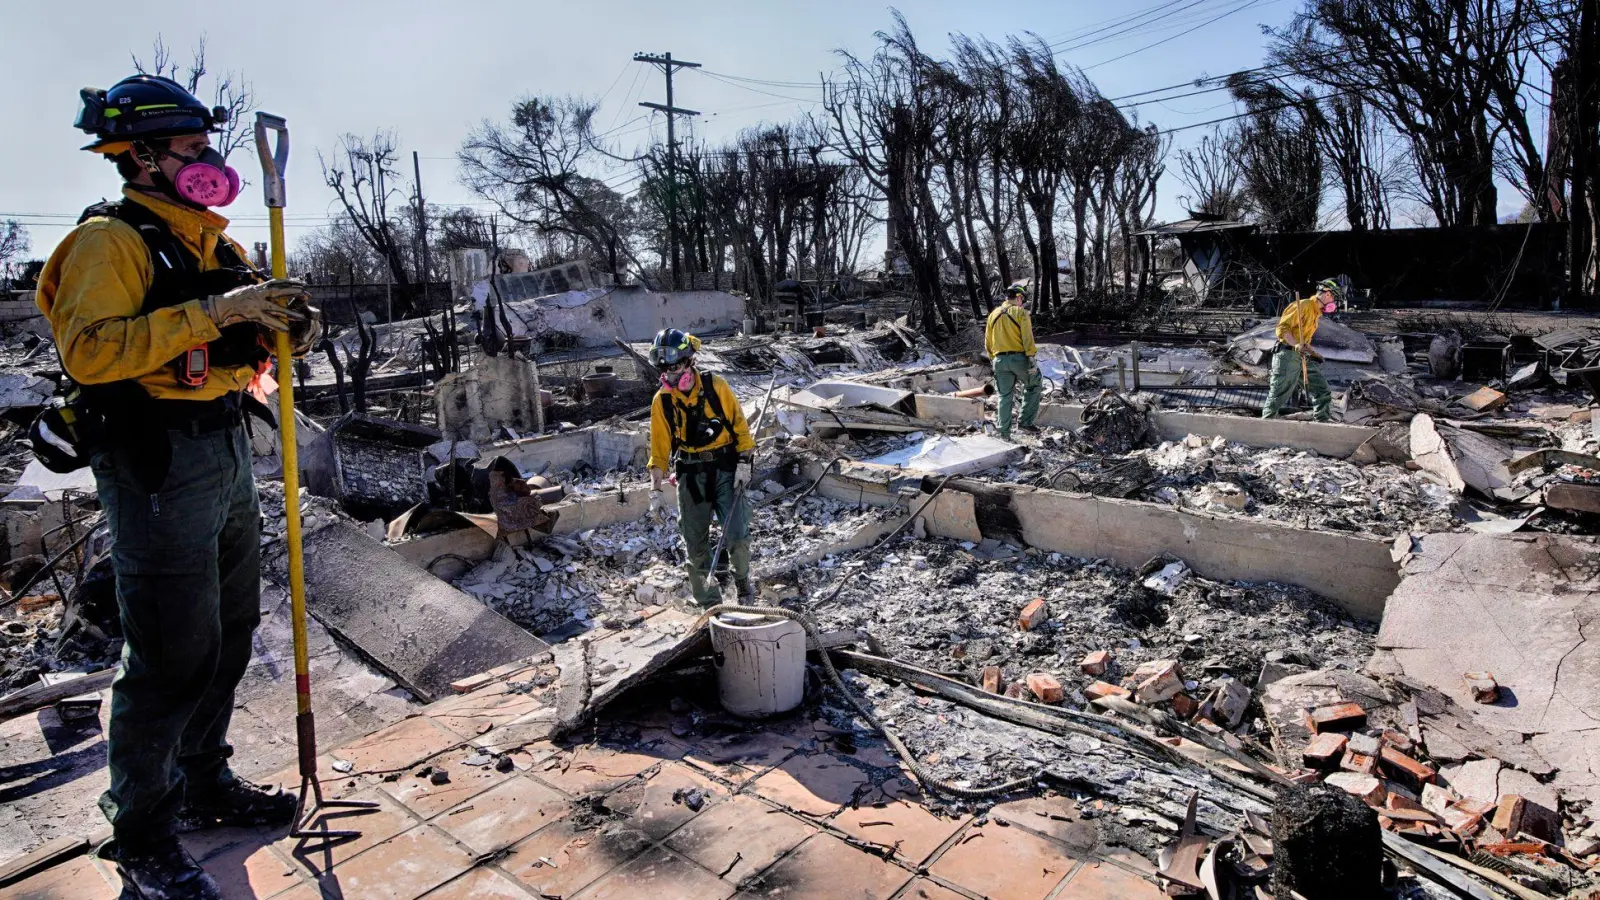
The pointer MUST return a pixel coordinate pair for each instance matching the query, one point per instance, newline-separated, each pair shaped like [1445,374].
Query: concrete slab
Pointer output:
[420,630]
[1522,607]
[847,394]
[944,455]
[1326,438]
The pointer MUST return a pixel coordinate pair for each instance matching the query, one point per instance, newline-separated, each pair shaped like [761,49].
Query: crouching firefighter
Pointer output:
[163,329]
[697,426]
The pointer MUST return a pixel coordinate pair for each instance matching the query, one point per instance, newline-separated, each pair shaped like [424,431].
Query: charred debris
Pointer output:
[1211,632]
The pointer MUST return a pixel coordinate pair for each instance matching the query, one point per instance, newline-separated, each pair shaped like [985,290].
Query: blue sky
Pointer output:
[432,70]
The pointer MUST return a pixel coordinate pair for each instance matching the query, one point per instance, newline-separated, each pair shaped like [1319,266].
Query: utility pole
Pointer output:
[668,65]
[422,231]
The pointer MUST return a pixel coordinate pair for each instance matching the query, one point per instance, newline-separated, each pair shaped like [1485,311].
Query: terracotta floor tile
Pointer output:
[576,858]
[659,875]
[652,805]
[427,799]
[817,784]
[480,884]
[923,889]
[248,870]
[400,746]
[401,868]
[76,879]
[1129,860]
[304,892]
[1096,882]
[826,868]
[335,785]
[755,751]
[1056,817]
[910,829]
[317,857]
[592,767]
[471,715]
[739,837]
[1004,862]
[504,814]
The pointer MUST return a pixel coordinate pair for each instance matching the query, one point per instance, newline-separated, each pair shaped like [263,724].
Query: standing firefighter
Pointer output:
[697,425]
[1293,361]
[162,328]
[1009,339]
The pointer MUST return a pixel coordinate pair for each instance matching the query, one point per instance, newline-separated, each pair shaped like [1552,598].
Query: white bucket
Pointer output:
[761,663]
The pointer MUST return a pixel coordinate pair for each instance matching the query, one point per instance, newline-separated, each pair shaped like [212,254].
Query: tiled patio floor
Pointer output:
[781,814]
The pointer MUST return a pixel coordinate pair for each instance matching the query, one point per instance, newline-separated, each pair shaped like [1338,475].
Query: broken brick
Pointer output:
[1231,701]
[1516,815]
[1045,687]
[1365,744]
[1363,787]
[1014,690]
[1032,615]
[1358,762]
[1464,817]
[991,679]
[1096,663]
[1157,681]
[1184,706]
[1338,717]
[1436,799]
[1405,768]
[1482,686]
[1397,740]
[1324,751]
[1099,689]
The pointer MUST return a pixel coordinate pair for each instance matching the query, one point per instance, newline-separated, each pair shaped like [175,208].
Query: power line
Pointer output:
[1237,9]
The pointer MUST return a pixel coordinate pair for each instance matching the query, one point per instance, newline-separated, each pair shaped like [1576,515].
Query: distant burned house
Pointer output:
[1235,264]
[1209,257]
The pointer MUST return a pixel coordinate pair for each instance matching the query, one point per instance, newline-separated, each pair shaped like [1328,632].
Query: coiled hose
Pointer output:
[924,777]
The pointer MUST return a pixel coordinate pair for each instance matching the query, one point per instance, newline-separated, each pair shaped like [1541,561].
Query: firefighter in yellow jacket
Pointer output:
[162,327]
[1008,337]
[698,428]
[1294,361]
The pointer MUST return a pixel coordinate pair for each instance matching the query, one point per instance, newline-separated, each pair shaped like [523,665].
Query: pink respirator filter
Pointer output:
[204,184]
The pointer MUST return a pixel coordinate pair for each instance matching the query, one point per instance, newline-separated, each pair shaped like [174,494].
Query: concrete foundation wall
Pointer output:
[632,314]
[497,391]
[1356,573]
[962,410]
[604,450]
[1326,438]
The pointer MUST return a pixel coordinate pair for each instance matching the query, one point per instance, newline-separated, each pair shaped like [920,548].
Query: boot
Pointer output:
[232,801]
[163,870]
[747,592]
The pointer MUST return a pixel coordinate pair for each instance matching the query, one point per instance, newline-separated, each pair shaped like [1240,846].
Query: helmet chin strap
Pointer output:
[149,158]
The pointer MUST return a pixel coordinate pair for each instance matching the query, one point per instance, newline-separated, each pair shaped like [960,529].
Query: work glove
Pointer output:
[658,510]
[741,474]
[265,304]
[304,334]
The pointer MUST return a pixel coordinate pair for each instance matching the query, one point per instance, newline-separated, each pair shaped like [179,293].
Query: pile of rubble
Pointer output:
[1298,487]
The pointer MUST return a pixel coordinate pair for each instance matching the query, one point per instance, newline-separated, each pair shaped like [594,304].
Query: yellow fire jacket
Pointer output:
[92,291]
[1010,330]
[1298,324]
[666,432]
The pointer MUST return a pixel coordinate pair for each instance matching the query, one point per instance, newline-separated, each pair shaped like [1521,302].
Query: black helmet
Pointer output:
[141,108]
[671,346]
[1015,290]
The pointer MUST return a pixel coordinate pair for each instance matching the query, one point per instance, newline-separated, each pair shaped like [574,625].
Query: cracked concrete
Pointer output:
[1524,608]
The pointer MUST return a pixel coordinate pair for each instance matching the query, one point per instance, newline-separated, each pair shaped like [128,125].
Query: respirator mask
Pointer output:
[205,180]
[682,383]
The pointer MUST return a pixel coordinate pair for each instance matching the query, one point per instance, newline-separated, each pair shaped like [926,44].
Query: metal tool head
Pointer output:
[274,157]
